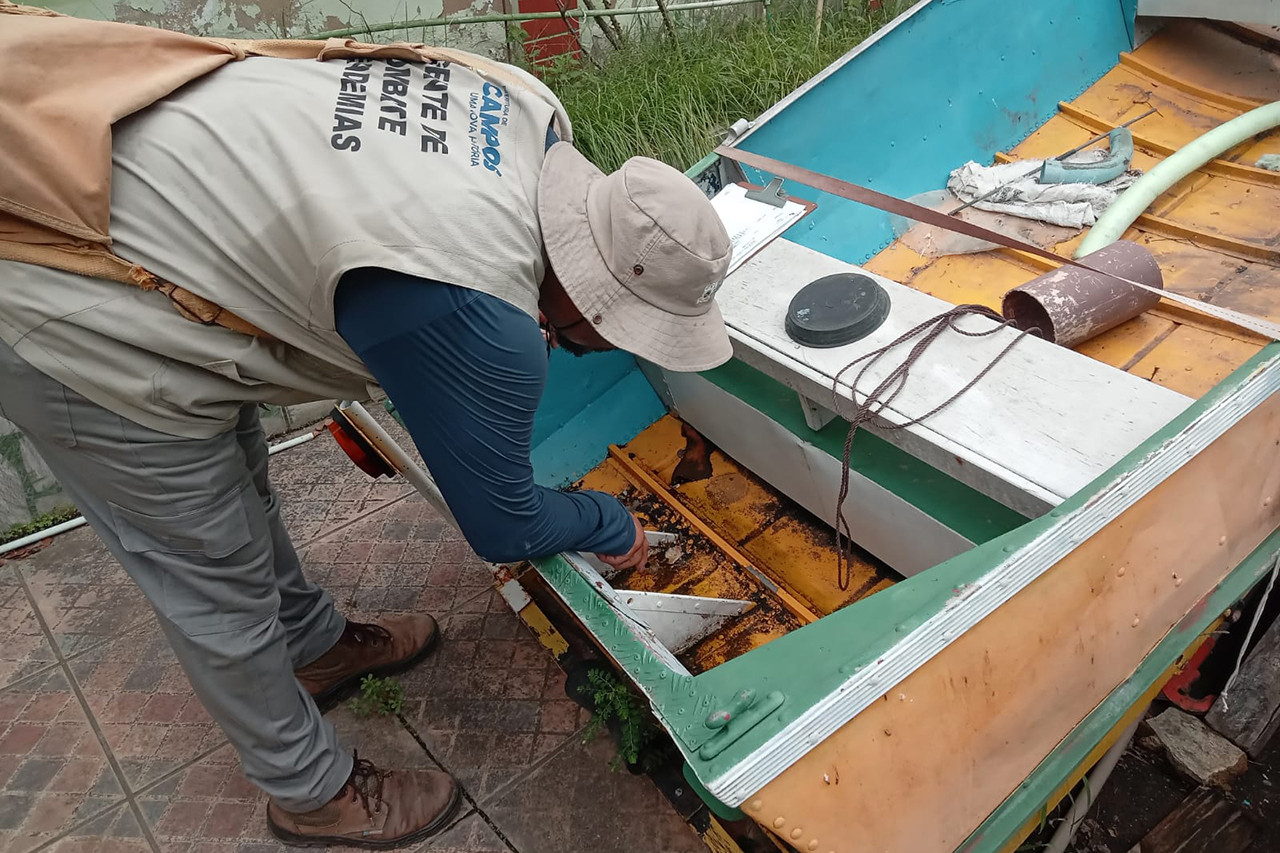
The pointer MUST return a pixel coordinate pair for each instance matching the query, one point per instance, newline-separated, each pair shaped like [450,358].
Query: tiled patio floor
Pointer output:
[103,747]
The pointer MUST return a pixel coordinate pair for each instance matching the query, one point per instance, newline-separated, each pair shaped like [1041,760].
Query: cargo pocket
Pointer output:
[58,414]
[198,580]
[198,394]
[228,369]
[216,530]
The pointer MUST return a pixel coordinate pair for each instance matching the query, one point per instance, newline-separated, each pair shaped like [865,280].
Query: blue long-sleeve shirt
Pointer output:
[466,371]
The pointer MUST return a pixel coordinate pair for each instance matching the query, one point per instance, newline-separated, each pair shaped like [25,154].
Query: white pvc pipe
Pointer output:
[396,455]
[293,442]
[1112,224]
[79,521]
[1095,780]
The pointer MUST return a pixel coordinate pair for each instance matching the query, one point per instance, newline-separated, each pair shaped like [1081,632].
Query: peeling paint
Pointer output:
[296,18]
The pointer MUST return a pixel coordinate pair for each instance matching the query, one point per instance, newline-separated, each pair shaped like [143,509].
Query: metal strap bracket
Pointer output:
[773,195]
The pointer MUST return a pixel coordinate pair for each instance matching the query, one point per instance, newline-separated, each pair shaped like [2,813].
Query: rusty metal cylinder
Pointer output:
[1071,305]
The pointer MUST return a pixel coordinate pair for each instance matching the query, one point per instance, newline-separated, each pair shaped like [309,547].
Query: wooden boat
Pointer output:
[1029,565]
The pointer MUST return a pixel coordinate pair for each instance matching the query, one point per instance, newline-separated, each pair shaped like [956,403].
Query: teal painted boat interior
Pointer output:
[957,80]
[588,404]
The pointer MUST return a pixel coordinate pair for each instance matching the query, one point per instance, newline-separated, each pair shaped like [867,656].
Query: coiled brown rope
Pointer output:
[880,397]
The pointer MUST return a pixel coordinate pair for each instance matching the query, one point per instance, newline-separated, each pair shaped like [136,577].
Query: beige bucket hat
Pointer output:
[641,253]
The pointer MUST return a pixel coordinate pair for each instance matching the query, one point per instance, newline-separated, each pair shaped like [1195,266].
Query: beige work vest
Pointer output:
[255,188]
[55,187]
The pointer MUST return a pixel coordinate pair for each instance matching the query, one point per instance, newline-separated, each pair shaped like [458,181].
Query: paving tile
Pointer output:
[116,831]
[54,773]
[25,650]
[144,704]
[380,739]
[490,702]
[321,488]
[575,802]
[86,599]
[403,557]
[210,807]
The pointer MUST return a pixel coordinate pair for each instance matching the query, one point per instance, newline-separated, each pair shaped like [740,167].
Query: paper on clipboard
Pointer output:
[752,224]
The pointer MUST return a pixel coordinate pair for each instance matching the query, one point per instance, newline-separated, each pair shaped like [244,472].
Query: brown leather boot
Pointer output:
[393,645]
[380,809]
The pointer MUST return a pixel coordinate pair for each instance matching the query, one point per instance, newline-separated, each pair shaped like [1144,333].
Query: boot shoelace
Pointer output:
[365,783]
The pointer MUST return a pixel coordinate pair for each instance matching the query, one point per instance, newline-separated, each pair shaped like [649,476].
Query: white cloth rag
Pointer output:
[1069,205]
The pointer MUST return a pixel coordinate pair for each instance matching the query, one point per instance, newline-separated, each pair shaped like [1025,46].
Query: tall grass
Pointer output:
[674,101]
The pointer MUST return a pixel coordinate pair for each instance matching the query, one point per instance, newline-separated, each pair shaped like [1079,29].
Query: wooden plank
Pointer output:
[959,734]
[1250,713]
[1204,93]
[1042,425]
[1204,823]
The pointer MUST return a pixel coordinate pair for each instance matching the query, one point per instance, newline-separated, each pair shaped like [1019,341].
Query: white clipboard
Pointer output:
[753,224]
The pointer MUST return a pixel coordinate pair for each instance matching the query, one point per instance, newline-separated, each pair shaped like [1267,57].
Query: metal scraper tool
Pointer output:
[658,538]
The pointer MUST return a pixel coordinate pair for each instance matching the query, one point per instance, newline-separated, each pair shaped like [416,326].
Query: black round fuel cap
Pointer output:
[836,310]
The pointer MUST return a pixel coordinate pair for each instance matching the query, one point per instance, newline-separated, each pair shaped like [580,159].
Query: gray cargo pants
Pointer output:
[197,526]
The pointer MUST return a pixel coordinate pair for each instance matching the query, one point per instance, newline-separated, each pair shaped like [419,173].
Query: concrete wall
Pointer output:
[275,18]
[299,18]
[1266,12]
[27,489]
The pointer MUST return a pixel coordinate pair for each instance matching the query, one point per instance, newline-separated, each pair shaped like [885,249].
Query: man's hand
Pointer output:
[636,558]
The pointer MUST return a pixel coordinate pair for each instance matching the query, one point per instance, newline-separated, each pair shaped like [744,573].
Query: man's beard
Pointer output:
[574,348]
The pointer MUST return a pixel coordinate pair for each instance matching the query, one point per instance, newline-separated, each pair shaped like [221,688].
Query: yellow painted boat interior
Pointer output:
[1216,236]
[739,538]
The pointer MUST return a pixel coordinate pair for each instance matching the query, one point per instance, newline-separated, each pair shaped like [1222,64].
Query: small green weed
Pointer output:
[613,700]
[378,697]
[40,522]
